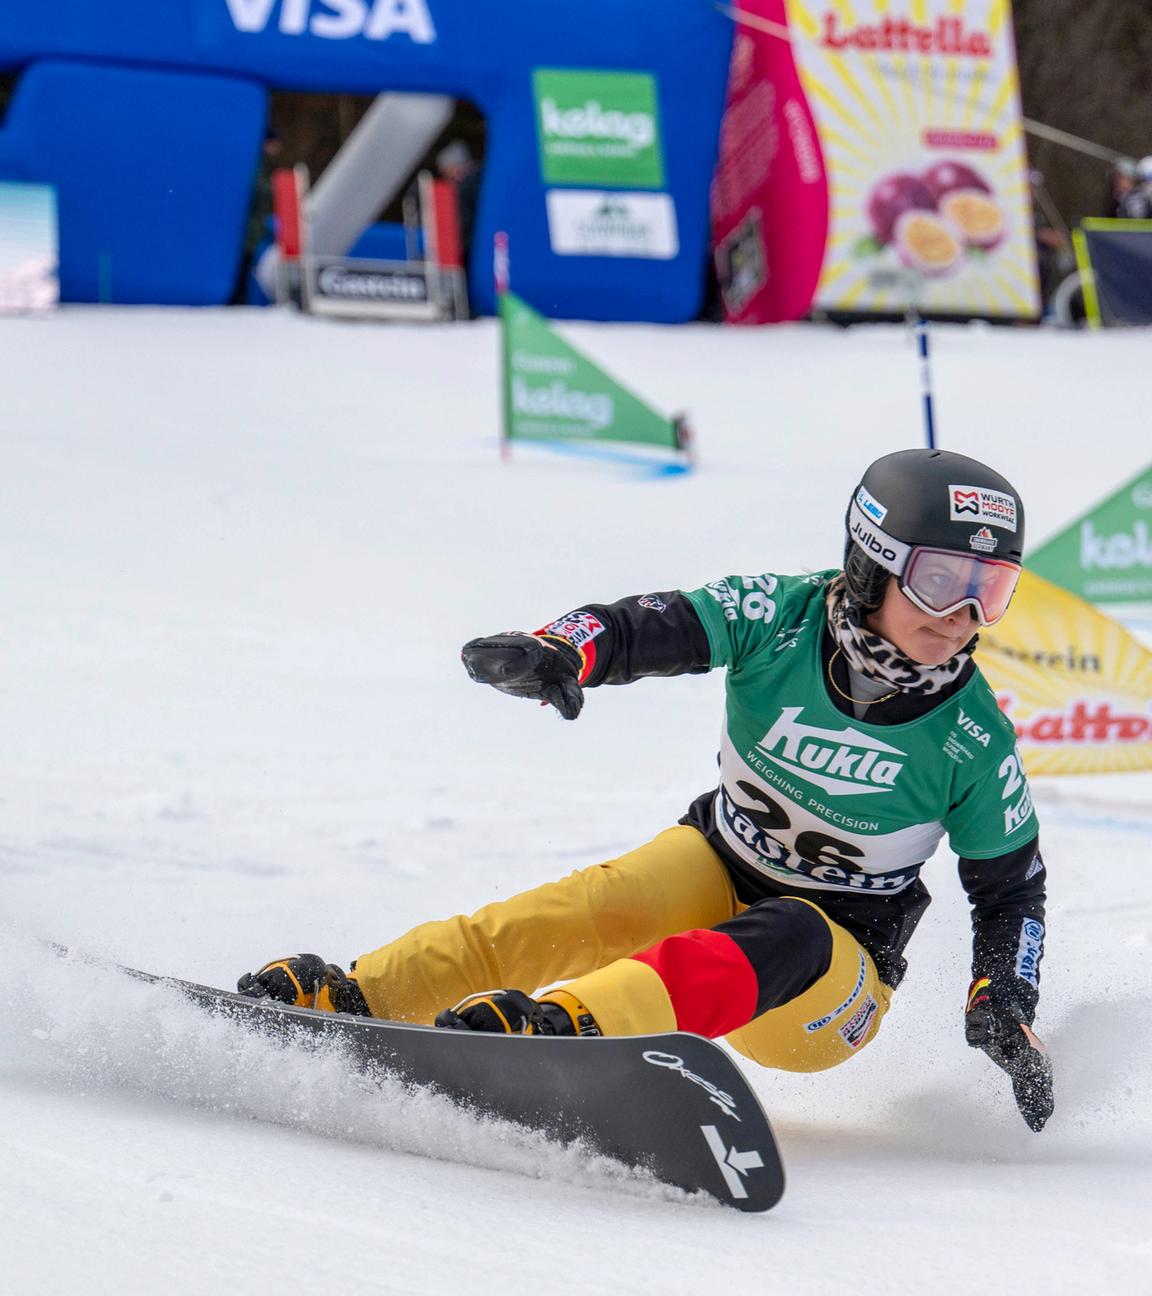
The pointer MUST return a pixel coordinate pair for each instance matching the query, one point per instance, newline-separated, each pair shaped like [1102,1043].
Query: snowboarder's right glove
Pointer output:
[995,1023]
[305,981]
[544,668]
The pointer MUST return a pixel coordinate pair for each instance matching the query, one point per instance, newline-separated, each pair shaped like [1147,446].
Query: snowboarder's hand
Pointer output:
[529,666]
[996,1023]
[305,981]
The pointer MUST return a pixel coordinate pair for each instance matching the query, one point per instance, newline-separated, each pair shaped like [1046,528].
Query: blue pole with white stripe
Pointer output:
[926,381]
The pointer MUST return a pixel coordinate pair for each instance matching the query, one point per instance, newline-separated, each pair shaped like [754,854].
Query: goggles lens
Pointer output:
[940,582]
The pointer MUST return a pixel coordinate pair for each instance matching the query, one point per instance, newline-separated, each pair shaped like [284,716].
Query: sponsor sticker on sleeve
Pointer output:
[580,628]
[1030,951]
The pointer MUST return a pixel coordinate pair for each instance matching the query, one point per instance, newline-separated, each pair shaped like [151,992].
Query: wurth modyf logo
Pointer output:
[734,1165]
[838,760]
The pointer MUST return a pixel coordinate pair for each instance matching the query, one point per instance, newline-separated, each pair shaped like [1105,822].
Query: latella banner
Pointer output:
[872,160]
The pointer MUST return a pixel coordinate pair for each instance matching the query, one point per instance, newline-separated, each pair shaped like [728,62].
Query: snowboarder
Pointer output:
[858,733]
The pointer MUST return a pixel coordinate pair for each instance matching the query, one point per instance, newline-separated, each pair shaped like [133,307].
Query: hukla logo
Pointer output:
[838,760]
[337,19]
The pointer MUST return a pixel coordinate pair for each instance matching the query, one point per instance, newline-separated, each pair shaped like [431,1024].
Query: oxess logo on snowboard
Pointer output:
[724,1101]
[838,760]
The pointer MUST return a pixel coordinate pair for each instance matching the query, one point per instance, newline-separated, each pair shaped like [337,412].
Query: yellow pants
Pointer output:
[583,929]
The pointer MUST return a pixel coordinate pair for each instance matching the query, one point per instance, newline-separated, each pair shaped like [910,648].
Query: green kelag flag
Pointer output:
[1105,556]
[553,393]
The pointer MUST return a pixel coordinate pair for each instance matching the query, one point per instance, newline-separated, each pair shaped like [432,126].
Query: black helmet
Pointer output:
[935,502]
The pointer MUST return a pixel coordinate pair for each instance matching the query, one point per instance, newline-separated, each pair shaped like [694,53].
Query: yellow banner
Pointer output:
[918,120]
[1075,683]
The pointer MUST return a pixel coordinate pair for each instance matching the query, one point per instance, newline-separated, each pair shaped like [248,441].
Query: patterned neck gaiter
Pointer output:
[873,656]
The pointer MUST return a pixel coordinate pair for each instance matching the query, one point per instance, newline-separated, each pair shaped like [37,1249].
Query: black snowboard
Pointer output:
[676,1105]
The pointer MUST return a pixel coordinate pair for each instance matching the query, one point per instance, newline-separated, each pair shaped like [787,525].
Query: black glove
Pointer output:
[305,981]
[512,1012]
[996,1023]
[528,666]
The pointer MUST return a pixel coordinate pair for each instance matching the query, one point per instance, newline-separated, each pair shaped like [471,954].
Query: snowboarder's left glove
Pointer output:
[542,667]
[996,1023]
[305,981]
[512,1012]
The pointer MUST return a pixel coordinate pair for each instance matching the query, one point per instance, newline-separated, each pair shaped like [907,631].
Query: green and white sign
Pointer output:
[1106,555]
[553,393]
[598,128]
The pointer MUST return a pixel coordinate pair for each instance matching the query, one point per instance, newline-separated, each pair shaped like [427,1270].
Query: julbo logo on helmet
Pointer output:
[867,538]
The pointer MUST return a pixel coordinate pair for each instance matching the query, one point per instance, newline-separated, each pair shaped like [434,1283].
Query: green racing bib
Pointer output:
[813,798]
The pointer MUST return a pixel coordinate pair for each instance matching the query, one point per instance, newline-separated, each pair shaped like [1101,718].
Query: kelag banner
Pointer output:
[598,128]
[553,393]
[1077,686]
[1115,259]
[872,160]
[1105,556]
[28,243]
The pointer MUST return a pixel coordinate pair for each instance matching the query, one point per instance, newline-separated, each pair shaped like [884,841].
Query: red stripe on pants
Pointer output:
[712,986]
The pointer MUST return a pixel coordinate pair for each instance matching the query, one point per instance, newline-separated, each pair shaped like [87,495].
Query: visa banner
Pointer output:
[1076,685]
[873,161]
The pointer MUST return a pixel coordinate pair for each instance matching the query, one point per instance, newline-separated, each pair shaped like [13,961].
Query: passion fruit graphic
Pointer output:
[946,177]
[926,241]
[977,216]
[891,198]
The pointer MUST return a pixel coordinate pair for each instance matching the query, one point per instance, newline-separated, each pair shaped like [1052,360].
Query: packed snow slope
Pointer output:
[241,551]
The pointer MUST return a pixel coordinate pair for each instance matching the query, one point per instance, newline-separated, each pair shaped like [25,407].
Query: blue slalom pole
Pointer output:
[926,381]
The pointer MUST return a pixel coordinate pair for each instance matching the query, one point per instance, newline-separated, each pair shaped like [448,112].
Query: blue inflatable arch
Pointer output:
[603,119]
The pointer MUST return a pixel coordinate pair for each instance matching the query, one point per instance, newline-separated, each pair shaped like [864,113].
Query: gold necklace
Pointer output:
[848,696]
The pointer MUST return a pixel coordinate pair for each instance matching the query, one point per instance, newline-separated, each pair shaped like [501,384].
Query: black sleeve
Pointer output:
[639,636]
[1007,897]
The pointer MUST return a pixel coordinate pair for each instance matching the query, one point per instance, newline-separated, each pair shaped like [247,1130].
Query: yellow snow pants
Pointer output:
[582,931]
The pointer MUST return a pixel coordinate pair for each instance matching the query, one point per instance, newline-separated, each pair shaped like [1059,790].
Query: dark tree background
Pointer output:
[1085,67]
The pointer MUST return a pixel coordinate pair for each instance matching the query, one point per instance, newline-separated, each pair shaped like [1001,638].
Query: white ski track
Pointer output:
[241,552]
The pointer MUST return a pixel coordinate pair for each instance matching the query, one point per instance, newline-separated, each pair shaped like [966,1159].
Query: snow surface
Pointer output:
[241,550]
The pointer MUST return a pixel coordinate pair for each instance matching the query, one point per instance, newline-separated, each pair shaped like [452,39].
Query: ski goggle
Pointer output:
[939,582]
